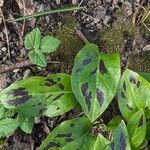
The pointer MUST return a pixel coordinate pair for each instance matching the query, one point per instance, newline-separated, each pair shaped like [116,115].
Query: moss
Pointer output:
[112,38]
[70,42]
[139,62]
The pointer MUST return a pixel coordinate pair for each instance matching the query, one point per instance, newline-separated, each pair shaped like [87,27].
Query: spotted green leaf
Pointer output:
[145,75]
[49,44]
[33,39]
[8,126]
[134,94]
[120,138]
[38,58]
[25,123]
[95,79]
[137,128]
[66,132]
[50,95]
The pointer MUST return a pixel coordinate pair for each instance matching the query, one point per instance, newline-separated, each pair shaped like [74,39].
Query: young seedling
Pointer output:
[38,46]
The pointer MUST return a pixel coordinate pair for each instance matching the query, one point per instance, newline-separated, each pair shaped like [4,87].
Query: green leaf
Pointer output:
[49,44]
[137,128]
[86,142]
[101,143]
[38,58]
[50,95]
[95,79]
[8,126]
[65,133]
[114,123]
[2,111]
[120,139]
[145,75]
[25,123]
[134,94]
[33,39]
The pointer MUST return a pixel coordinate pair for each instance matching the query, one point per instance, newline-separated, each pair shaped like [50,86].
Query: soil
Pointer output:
[108,23]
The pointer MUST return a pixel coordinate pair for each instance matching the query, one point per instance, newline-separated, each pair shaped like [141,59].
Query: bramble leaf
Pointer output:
[49,44]
[120,139]
[33,39]
[8,126]
[95,79]
[50,96]
[25,123]
[137,128]
[133,94]
[65,133]
[38,58]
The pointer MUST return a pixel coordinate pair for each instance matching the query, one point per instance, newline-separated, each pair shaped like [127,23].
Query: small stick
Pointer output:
[6,33]
[21,64]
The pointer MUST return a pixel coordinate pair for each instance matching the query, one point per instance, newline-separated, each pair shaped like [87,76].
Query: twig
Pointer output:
[21,64]
[6,33]
[24,21]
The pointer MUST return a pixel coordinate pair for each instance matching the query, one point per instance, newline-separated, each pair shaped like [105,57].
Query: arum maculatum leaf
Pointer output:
[95,79]
[134,94]
[66,132]
[51,95]
[137,128]
[120,139]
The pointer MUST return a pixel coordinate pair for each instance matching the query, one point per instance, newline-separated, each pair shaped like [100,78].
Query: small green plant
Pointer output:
[95,80]
[39,45]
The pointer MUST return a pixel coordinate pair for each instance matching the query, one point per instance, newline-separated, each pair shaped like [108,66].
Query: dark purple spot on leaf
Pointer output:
[78,70]
[122,142]
[138,84]
[132,79]
[49,96]
[123,95]
[141,121]
[57,97]
[72,125]
[19,92]
[57,108]
[52,144]
[86,94]
[50,82]
[58,79]
[129,107]
[94,71]
[100,96]
[19,101]
[87,61]
[102,68]
[41,111]
[69,139]
[124,86]
[61,86]
[62,135]
[112,146]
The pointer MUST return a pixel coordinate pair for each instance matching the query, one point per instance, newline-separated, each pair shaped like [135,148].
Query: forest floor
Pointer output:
[114,25]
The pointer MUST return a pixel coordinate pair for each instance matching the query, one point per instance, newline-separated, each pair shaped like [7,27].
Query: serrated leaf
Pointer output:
[95,79]
[120,139]
[137,128]
[50,95]
[49,44]
[114,123]
[33,39]
[65,133]
[38,58]
[134,94]
[2,111]
[25,123]
[7,126]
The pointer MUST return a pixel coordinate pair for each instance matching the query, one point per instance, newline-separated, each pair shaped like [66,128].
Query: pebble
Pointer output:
[4,49]
[15,70]
[146,48]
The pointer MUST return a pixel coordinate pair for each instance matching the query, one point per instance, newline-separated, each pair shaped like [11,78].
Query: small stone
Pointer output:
[146,48]
[26,73]
[15,70]
[96,20]
[4,49]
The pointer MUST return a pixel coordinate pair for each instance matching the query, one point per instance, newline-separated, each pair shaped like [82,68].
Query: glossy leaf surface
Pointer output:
[95,79]
[134,94]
